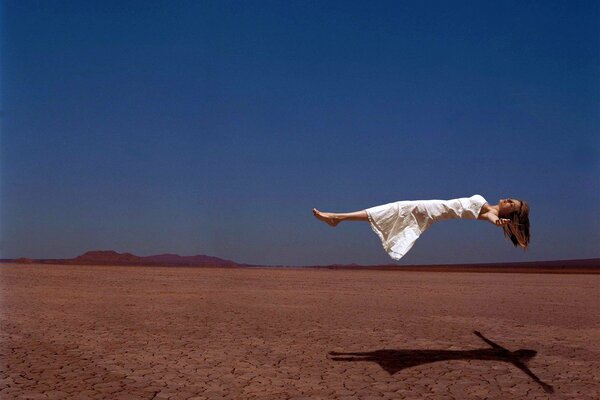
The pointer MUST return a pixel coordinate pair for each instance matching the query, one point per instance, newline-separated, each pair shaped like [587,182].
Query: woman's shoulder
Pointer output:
[478,197]
[485,206]
[480,205]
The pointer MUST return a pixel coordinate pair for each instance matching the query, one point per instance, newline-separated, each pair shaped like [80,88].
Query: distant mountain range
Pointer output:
[111,257]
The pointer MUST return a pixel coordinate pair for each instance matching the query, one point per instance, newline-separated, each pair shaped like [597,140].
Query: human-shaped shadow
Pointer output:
[396,360]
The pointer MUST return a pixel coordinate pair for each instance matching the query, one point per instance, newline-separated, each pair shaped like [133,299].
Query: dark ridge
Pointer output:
[588,265]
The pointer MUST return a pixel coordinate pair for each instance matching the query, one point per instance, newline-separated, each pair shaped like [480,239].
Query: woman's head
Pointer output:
[517,230]
[508,206]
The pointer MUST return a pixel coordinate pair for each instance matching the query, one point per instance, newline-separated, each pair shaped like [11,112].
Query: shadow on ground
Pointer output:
[396,360]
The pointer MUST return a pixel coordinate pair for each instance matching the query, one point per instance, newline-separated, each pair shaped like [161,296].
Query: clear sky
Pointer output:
[214,127]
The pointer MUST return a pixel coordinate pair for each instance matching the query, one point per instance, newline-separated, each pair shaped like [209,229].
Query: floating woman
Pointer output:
[400,224]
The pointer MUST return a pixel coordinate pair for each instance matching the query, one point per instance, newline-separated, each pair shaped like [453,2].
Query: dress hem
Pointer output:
[393,255]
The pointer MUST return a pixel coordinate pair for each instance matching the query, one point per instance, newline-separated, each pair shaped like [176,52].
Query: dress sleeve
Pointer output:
[472,206]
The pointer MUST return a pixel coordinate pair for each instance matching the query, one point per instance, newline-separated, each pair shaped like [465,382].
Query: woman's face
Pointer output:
[508,206]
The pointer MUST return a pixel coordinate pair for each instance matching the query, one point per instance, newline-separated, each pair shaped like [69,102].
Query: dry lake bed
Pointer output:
[113,332]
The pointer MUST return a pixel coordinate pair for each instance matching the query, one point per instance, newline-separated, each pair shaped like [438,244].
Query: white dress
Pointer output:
[400,224]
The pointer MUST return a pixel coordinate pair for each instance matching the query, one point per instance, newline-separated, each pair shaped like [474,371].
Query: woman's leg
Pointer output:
[335,218]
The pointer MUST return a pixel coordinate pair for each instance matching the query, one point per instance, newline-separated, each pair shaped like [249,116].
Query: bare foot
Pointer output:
[326,217]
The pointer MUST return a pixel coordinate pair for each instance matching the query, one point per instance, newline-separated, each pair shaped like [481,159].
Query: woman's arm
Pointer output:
[493,218]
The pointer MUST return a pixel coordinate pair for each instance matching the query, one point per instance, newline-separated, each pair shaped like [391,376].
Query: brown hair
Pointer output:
[517,230]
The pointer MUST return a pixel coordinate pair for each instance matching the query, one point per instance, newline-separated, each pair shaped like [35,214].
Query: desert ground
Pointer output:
[108,332]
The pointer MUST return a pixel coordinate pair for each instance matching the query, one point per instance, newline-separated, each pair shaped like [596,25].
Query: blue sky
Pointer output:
[214,127]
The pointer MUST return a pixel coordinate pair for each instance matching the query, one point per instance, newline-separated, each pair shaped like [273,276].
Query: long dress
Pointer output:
[400,224]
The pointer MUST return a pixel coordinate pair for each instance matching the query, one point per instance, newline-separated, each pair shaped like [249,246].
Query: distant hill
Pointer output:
[107,257]
[111,257]
[186,260]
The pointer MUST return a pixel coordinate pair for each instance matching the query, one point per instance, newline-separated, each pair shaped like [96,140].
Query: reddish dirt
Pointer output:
[101,332]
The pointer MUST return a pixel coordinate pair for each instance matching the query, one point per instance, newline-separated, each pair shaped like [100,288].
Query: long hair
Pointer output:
[517,230]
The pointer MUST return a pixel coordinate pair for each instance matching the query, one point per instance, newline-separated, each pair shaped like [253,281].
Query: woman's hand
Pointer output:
[493,218]
[502,221]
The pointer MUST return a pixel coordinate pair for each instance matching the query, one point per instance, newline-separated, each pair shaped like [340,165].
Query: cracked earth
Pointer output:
[98,332]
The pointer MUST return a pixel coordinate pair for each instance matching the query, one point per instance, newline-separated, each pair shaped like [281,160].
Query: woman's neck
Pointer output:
[494,208]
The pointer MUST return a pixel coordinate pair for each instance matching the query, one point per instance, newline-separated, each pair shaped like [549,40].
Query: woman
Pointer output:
[400,224]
